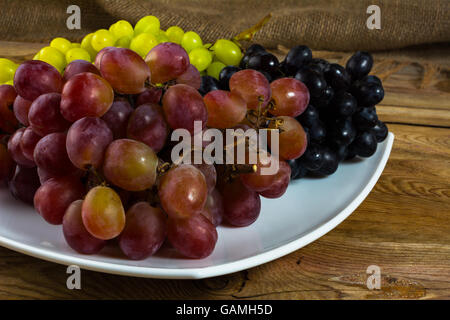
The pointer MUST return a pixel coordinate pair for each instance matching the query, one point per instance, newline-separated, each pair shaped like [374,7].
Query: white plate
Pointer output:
[310,208]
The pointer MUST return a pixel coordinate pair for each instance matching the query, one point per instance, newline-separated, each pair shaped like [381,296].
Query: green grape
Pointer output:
[121,28]
[227,52]
[162,37]
[190,41]
[7,70]
[201,58]
[61,44]
[123,42]
[175,34]
[53,57]
[76,45]
[148,24]
[86,45]
[36,56]
[143,43]
[102,38]
[77,54]
[215,68]
[10,82]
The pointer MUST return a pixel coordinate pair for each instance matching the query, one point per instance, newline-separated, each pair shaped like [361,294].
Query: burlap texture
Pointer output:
[322,24]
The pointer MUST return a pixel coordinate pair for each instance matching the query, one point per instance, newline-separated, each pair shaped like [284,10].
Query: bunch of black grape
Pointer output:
[341,120]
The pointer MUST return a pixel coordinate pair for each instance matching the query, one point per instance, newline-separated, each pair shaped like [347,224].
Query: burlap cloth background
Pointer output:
[321,24]
[333,25]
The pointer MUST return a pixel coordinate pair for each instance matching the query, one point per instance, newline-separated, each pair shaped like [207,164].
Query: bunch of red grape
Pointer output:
[87,149]
[90,149]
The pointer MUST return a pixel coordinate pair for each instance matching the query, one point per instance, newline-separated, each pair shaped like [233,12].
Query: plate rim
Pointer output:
[215,270]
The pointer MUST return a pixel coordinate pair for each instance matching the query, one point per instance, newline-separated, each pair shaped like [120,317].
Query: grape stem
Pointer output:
[163,167]
[248,34]
[252,114]
[261,116]
[209,48]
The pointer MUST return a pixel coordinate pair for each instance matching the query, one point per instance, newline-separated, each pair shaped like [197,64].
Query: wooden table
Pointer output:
[403,226]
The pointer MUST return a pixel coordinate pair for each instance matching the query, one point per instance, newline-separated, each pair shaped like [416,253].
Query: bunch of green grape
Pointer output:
[208,58]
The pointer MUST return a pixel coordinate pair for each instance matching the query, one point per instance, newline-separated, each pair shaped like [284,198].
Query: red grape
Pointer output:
[144,233]
[183,191]
[210,173]
[15,149]
[28,143]
[225,109]
[280,185]
[194,237]
[258,181]
[75,233]
[252,86]
[44,175]
[182,106]
[21,108]
[24,184]
[150,95]
[191,77]
[125,70]
[117,118]
[167,61]
[8,121]
[292,139]
[99,56]
[87,141]
[45,116]
[6,164]
[291,97]
[214,208]
[241,205]
[79,66]
[147,124]
[50,155]
[86,94]
[54,197]
[103,214]
[34,78]
[130,165]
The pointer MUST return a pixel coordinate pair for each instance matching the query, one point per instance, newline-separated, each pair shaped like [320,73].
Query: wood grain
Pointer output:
[403,226]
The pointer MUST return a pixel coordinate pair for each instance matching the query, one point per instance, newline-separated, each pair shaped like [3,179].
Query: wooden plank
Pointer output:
[19,51]
[402,90]
[408,115]
[403,227]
